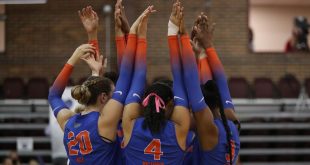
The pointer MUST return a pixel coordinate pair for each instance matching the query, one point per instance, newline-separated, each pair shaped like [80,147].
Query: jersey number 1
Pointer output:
[84,143]
[154,148]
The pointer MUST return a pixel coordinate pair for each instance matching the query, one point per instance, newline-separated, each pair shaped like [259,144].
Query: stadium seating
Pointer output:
[37,88]
[272,133]
[13,88]
[307,85]
[264,88]
[289,87]
[239,87]
[1,92]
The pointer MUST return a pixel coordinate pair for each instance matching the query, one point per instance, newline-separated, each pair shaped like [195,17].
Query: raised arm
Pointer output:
[204,35]
[180,115]
[132,109]
[61,111]
[90,21]
[207,130]
[113,110]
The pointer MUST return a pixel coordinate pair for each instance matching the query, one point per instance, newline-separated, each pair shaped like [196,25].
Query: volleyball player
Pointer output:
[218,138]
[211,68]
[89,137]
[151,136]
[121,35]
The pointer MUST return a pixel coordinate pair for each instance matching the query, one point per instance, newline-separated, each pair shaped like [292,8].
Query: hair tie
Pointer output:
[158,102]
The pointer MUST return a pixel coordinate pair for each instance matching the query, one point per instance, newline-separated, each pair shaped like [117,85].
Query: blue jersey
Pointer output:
[220,155]
[145,148]
[83,143]
[119,139]
[188,159]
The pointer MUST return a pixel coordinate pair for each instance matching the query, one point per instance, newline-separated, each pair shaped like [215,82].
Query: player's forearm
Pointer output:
[93,39]
[219,77]
[120,48]
[179,90]
[139,78]
[92,35]
[204,70]
[125,76]
[57,89]
[191,78]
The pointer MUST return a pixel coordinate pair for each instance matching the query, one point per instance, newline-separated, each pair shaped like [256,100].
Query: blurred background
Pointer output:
[263,45]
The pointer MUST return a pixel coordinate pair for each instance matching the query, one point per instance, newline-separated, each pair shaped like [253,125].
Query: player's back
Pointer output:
[219,155]
[157,149]
[83,143]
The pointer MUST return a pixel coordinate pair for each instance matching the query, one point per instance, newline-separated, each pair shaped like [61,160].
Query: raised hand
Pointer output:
[90,19]
[180,13]
[82,50]
[203,31]
[121,22]
[142,28]
[125,24]
[135,25]
[174,17]
[198,49]
[95,65]
[117,18]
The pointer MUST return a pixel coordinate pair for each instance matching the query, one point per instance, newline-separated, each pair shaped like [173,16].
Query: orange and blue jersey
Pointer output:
[153,149]
[83,143]
[219,155]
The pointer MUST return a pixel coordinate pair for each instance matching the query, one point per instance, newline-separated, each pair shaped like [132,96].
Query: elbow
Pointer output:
[51,95]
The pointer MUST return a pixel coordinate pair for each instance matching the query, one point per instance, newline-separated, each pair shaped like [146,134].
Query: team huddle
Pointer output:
[187,120]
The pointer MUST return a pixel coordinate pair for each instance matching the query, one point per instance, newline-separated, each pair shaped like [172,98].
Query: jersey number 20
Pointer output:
[154,148]
[82,139]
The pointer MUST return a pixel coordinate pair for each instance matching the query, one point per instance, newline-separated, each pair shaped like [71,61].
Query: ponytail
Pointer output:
[156,98]
[153,120]
[212,95]
[227,130]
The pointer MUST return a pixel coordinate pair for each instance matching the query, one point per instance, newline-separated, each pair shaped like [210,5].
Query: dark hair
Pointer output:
[113,76]
[213,99]
[88,92]
[153,120]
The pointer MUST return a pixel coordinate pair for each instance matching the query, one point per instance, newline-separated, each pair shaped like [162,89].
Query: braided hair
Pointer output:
[213,99]
[87,93]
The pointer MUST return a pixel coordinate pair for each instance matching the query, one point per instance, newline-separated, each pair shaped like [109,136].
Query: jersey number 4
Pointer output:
[154,148]
[83,140]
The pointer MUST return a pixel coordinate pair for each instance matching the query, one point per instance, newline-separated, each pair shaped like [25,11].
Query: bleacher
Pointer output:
[24,118]
[275,130]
